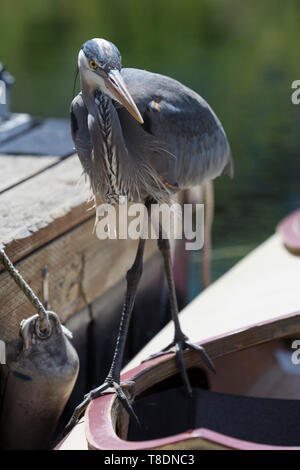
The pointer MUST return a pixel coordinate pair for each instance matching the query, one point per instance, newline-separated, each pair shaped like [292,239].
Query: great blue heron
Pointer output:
[145,136]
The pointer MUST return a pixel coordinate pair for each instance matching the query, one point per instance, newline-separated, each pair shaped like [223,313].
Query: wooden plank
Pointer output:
[15,169]
[264,285]
[42,208]
[81,268]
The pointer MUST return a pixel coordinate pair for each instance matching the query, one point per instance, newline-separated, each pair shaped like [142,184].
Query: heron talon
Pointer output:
[203,355]
[166,350]
[177,347]
[108,386]
[126,403]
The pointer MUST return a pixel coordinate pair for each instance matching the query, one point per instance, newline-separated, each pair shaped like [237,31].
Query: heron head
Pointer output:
[99,63]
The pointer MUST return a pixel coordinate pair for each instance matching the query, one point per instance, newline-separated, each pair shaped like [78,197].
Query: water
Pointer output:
[240,56]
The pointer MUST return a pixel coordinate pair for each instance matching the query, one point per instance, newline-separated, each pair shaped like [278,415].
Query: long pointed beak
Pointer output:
[115,84]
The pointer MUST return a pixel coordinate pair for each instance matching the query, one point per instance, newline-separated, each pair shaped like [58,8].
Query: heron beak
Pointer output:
[115,84]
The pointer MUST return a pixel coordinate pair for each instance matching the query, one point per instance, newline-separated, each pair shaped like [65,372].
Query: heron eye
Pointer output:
[93,64]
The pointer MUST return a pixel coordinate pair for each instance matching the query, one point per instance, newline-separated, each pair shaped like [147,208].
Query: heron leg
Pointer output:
[112,381]
[181,341]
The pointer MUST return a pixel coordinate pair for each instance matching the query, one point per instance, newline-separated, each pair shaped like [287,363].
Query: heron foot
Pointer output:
[178,346]
[124,391]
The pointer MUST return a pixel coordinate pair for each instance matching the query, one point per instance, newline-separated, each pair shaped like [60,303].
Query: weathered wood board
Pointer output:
[16,169]
[35,211]
[81,268]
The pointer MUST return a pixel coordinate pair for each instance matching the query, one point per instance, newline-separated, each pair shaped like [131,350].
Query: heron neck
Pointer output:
[108,141]
[88,92]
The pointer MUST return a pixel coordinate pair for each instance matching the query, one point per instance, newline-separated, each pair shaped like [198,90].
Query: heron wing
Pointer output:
[80,132]
[148,152]
[184,122]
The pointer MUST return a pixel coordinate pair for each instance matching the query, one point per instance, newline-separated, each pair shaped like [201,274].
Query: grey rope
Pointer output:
[44,324]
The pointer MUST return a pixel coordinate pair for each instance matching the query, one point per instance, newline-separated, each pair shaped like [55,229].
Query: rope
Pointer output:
[44,324]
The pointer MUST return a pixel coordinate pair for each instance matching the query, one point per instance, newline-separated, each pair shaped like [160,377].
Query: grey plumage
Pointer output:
[181,143]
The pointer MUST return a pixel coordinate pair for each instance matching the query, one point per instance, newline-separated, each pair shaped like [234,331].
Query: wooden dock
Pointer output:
[45,220]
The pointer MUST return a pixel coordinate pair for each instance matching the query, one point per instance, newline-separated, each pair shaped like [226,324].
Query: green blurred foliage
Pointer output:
[241,56]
